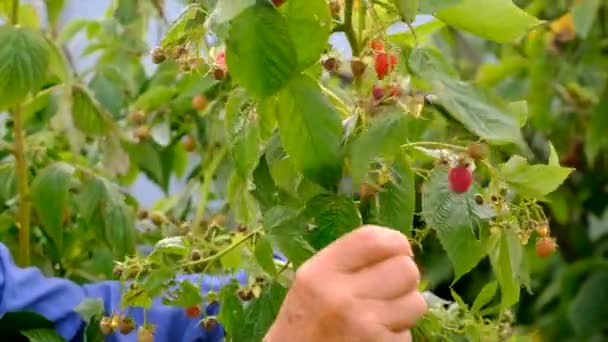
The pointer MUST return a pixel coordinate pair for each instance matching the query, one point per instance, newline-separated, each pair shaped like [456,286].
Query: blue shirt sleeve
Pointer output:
[54,298]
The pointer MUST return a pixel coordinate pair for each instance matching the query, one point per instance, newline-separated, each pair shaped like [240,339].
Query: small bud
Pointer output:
[117,271]
[479,199]
[126,325]
[105,325]
[358,67]
[196,255]
[158,55]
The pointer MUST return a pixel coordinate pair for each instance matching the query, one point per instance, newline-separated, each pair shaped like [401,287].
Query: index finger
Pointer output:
[365,247]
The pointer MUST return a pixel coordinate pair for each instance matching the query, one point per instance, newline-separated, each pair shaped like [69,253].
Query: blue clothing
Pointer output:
[55,298]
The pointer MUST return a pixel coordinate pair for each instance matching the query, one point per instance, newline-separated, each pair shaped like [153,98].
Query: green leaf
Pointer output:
[423,33]
[185,295]
[286,232]
[233,260]
[264,255]
[154,98]
[29,17]
[50,191]
[231,314]
[408,9]
[598,226]
[224,12]
[54,9]
[260,54]
[148,158]
[595,138]
[88,115]
[243,133]
[553,157]
[330,216]
[24,61]
[58,63]
[485,296]
[589,308]
[479,112]
[8,182]
[242,203]
[506,261]
[309,26]
[90,308]
[119,225]
[432,6]
[584,14]
[458,299]
[455,217]
[498,20]
[42,335]
[533,180]
[174,245]
[261,314]
[188,27]
[311,131]
[109,91]
[267,114]
[13,323]
[383,139]
[127,11]
[397,199]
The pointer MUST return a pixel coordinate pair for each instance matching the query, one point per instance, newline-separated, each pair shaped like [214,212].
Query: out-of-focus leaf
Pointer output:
[584,14]
[498,20]
[42,335]
[590,306]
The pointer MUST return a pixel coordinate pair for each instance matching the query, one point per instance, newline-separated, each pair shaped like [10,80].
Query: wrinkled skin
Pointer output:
[363,287]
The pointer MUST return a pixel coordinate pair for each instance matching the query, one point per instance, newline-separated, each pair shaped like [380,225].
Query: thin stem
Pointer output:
[348,28]
[204,192]
[223,251]
[15,13]
[434,144]
[23,218]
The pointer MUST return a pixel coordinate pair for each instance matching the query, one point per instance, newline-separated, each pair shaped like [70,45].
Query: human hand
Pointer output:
[362,287]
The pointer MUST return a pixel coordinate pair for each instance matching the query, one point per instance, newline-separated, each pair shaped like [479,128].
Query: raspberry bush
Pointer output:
[284,142]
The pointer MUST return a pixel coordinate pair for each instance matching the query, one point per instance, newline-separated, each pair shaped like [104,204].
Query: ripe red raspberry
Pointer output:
[193,311]
[460,179]
[384,64]
[377,45]
[378,92]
